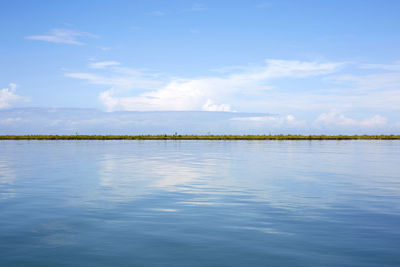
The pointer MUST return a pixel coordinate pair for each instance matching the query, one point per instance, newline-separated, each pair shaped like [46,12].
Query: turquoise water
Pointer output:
[199,203]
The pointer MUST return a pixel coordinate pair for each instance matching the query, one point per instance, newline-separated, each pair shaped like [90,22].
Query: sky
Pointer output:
[332,65]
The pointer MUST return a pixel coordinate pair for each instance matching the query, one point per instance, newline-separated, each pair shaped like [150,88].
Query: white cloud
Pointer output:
[103,64]
[336,119]
[8,97]
[254,88]
[270,121]
[120,78]
[104,48]
[388,67]
[64,36]
[375,121]
[332,122]
[207,93]
[177,95]
[210,106]
[376,81]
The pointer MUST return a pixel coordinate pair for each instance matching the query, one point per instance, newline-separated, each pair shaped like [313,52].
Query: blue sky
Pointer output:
[332,63]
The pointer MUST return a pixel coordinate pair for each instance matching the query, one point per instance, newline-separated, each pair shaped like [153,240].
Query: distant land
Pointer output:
[199,137]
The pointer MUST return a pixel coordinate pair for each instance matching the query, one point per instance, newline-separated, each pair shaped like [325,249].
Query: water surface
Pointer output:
[199,203]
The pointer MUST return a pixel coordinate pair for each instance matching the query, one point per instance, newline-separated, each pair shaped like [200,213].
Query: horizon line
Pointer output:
[200,137]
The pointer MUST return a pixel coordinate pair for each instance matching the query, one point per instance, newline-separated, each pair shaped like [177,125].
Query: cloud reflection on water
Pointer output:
[279,174]
[128,177]
[7,179]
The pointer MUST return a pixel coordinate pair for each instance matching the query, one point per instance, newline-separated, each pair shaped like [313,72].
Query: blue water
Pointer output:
[199,203]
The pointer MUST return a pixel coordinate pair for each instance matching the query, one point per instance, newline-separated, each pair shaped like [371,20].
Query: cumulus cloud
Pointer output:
[64,36]
[177,95]
[210,106]
[335,119]
[213,93]
[332,122]
[8,97]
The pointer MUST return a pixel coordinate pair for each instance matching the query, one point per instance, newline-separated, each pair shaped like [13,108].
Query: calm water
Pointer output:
[199,203]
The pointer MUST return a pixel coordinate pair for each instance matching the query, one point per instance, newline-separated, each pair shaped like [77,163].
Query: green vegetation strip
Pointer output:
[199,137]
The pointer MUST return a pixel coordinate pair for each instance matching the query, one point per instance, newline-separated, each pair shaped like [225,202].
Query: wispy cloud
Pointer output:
[121,79]
[103,64]
[345,36]
[263,88]
[368,82]
[388,67]
[108,48]
[8,97]
[269,121]
[264,5]
[198,7]
[208,93]
[64,36]
[157,13]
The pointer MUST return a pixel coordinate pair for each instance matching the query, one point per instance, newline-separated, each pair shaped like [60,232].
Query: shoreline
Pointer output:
[199,137]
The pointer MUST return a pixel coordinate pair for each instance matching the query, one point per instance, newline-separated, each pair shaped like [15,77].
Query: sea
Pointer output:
[200,203]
